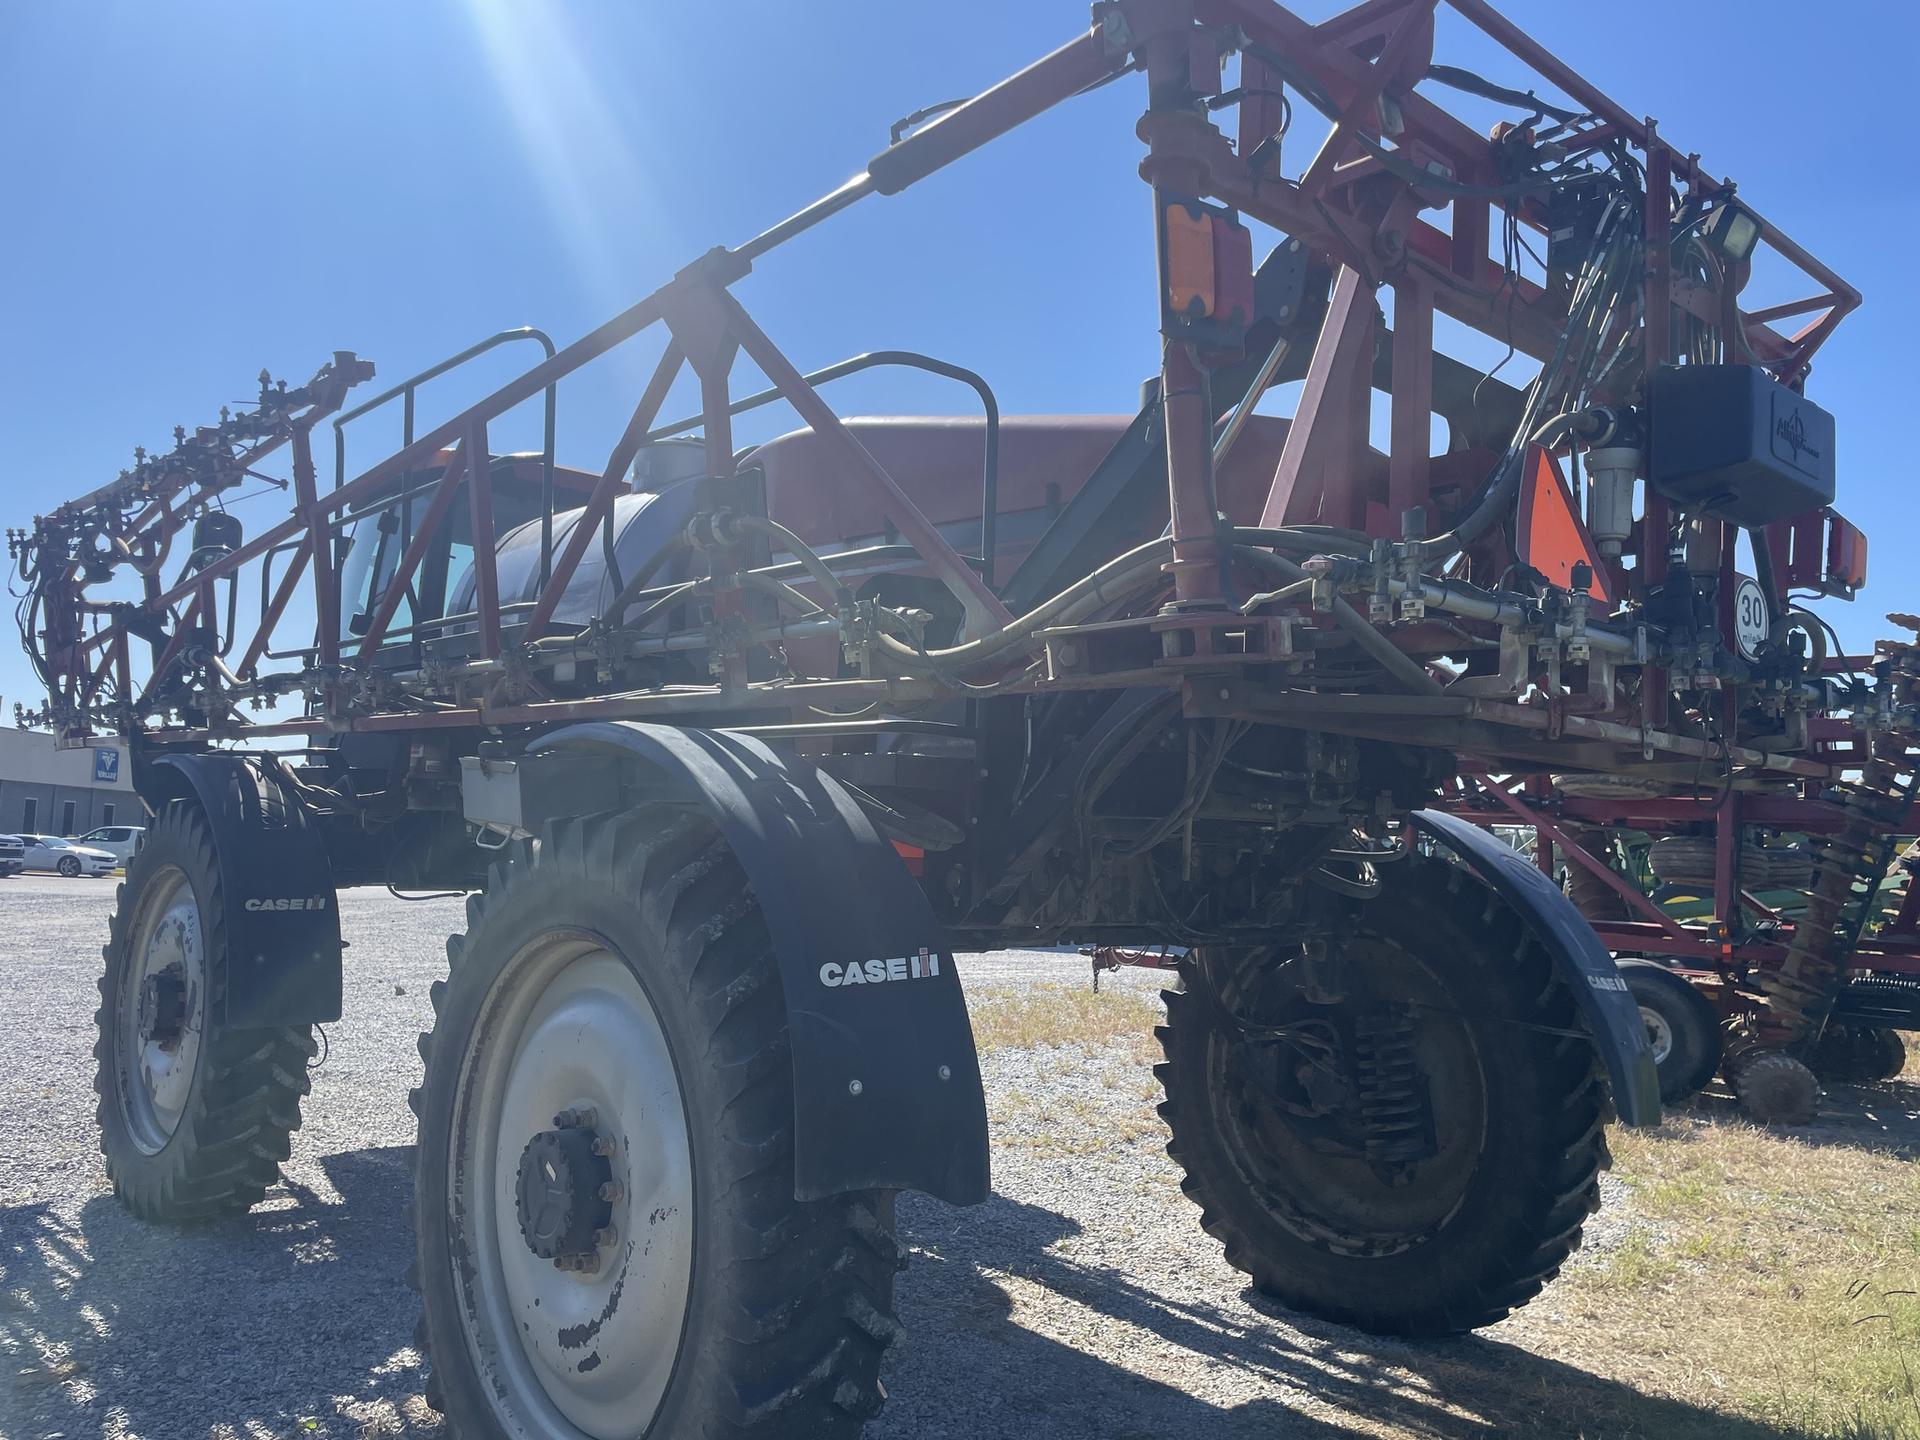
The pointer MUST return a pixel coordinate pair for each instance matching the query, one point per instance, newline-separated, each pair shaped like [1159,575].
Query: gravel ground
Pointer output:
[1081,1301]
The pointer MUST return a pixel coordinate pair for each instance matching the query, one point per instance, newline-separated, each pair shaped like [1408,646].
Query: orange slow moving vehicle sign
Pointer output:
[1552,537]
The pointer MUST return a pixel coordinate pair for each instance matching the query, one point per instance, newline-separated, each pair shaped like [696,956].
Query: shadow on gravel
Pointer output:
[112,1326]
[293,1322]
[970,1372]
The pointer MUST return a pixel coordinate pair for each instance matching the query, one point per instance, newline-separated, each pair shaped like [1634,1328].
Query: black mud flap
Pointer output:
[283,917]
[887,1092]
[1604,1000]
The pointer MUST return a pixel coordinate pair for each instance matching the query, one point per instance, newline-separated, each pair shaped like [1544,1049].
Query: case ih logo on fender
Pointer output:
[316,902]
[922,965]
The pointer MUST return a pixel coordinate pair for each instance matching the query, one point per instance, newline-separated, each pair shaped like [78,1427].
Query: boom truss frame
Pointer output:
[1391,157]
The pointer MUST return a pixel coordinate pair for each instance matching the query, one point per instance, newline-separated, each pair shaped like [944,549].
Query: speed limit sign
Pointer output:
[1750,627]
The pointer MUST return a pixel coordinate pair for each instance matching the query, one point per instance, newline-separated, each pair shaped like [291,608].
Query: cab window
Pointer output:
[379,539]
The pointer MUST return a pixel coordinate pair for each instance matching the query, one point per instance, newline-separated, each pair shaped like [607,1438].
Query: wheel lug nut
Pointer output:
[612,1191]
[584,1118]
[606,1235]
[603,1145]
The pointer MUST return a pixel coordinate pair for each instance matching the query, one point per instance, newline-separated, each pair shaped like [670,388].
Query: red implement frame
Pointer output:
[1354,205]
[1892,949]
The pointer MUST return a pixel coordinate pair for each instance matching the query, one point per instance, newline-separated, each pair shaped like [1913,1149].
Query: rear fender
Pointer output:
[886,1083]
[1605,1003]
[276,884]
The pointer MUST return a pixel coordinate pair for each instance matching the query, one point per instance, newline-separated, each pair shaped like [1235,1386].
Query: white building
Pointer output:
[48,791]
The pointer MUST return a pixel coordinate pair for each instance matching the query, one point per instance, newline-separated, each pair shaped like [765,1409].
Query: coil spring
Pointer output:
[1393,1102]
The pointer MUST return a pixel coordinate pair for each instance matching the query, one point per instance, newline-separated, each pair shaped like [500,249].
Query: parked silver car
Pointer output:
[122,841]
[50,852]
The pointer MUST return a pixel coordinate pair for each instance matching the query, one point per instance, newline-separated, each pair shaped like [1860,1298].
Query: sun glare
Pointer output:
[581,148]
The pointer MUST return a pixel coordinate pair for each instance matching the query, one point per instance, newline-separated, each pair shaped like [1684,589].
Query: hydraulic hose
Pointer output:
[1401,666]
[1270,597]
[1601,280]
[774,530]
[1315,539]
[1118,579]
[630,592]
[780,591]
[1551,432]
[1809,625]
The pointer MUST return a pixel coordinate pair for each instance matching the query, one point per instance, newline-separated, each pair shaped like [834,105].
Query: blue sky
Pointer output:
[199,189]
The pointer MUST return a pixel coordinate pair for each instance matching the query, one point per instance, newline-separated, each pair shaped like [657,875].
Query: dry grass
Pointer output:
[1071,1125]
[1032,1016]
[1774,1277]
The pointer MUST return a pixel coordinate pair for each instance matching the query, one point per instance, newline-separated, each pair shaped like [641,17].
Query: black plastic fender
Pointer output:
[1599,989]
[283,916]
[887,1092]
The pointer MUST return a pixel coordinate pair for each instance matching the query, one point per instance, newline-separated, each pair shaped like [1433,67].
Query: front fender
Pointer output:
[886,1083]
[1601,993]
[276,883]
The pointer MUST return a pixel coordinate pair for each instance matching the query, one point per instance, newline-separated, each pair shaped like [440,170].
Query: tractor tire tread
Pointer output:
[1545,1205]
[227,1149]
[804,1289]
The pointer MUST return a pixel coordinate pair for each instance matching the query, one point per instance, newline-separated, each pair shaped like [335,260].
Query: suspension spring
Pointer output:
[1394,1106]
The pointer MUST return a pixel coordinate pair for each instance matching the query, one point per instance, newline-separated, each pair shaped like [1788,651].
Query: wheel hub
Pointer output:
[1659,1034]
[159,1008]
[1377,1119]
[580,1346]
[163,1007]
[564,1194]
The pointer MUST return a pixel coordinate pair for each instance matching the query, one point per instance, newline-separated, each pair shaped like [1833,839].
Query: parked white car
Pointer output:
[122,841]
[50,852]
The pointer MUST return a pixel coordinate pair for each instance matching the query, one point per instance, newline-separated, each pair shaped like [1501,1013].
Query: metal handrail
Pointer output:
[406,389]
[909,360]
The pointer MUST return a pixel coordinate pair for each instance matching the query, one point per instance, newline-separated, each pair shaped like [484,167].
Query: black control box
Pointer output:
[1730,441]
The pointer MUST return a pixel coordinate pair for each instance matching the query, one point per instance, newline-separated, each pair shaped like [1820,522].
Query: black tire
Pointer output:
[1519,1123]
[1690,860]
[1858,1054]
[1893,1054]
[789,1304]
[1682,1027]
[69,866]
[242,1100]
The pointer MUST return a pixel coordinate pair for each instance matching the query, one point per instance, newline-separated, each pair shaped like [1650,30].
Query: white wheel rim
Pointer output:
[1659,1034]
[167,946]
[565,1354]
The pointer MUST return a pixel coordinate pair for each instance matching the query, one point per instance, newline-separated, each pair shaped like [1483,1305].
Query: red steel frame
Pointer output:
[1378,47]
[1894,949]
